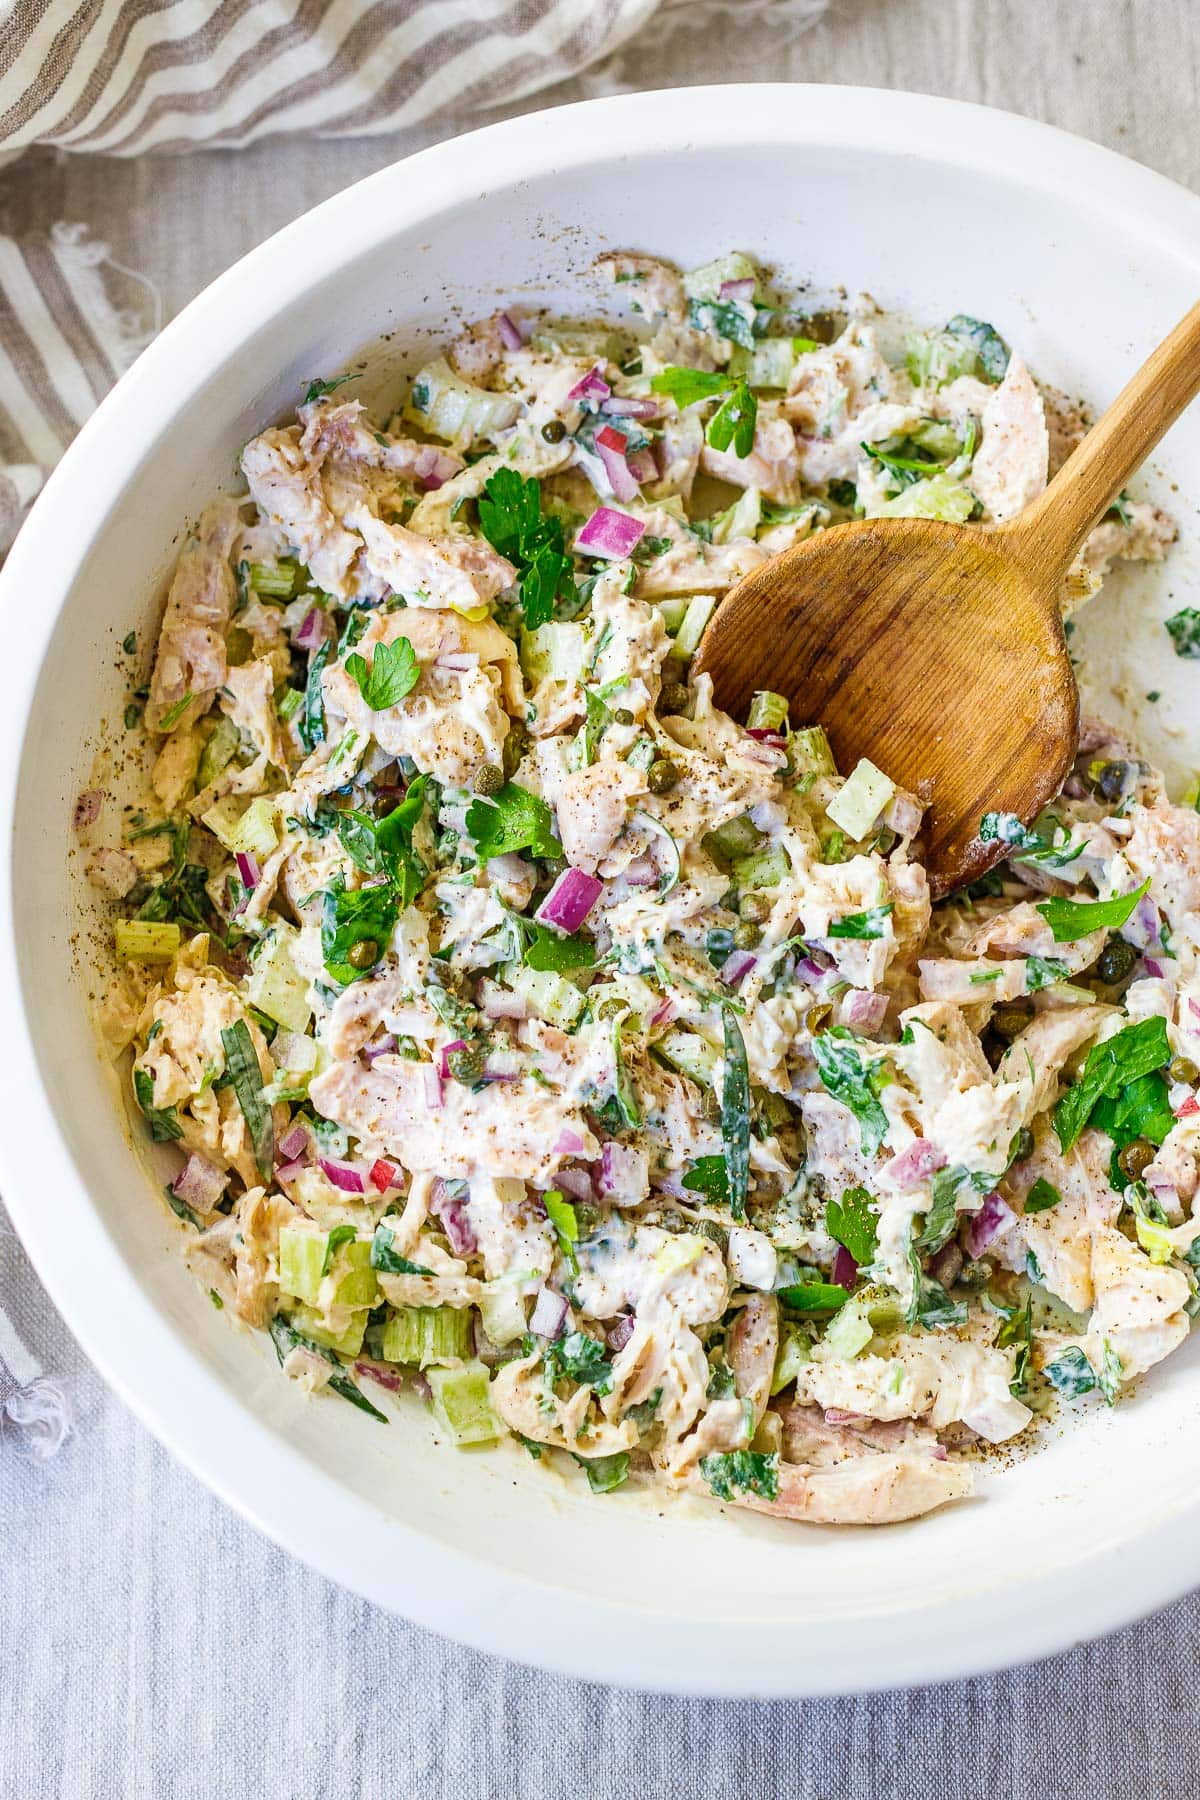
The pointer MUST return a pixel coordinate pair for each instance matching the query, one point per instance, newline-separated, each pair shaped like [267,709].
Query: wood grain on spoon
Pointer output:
[937,650]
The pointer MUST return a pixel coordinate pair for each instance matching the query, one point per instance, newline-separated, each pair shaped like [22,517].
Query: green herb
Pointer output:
[1141,1110]
[216,1299]
[621,1109]
[990,348]
[942,1216]
[724,318]
[735,1113]
[1071,919]
[384,846]
[241,1066]
[843,493]
[563,1218]
[862,924]
[133,716]
[129,643]
[388,1260]
[1071,1373]
[310,726]
[511,519]
[341,1234]
[930,1305]
[394,672]
[1184,627]
[814,1296]
[1111,1066]
[1043,971]
[605,1473]
[746,1471]
[1121,509]
[709,1176]
[162,1120]
[174,713]
[552,952]
[982,980]
[316,390]
[597,721]
[180,1208]
[514,819]
[356,916]
[856,1084]
[851,1222]
[734,422]
[579,1358]
[286,1338]
[1018,1329]
[1041,1196]
[684,386]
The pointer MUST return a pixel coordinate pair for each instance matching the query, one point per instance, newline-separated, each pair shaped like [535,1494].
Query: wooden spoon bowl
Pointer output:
[937,650]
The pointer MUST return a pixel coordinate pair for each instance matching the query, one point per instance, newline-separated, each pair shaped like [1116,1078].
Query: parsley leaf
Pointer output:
[990,348]
[356,916]
[1043,971]
[814,1296]
[684,386]
[1041,1196]
[550,952]
[1071,1374]
[1018,1329]
[286,1338]
[394,672]
[390,1261]
[734,422]
[310,725]
[861,924]
[942,1216]
[241,1065]
[384,846]
[748,1471]
[511,519]
[1111,1066]
[851,1223]
[317,390]
[735,1114]
[1071,919]
[724,318]
[514,819]
[162,1120]
[931,1305]
[1184,627]
[709,1176]
[844,1075]
[579,1358]
[604,1473]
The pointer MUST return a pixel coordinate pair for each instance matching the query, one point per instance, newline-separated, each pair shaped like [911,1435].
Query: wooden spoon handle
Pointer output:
[1050,531]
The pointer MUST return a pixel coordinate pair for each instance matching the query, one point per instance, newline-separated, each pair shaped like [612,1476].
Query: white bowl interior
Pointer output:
[1084,286]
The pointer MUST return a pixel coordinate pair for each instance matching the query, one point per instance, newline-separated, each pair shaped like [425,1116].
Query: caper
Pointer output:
[623,716]
[662,775]
[364,954]
[554,431]
[817,1016]
[465,1065]
[1136,1158]
[747,934]
[1115,961]
[754,908]
[1182,1068]
[674,697]
[716,1234]
[1109,780]
[1022,1146]
[975,1274]
[489,779]
[516,743]
[1009,1021]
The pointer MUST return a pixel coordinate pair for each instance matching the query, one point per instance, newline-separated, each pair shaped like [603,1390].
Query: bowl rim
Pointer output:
[216,1435]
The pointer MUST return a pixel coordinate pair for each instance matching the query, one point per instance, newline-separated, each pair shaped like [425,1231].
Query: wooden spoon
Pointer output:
[937,650]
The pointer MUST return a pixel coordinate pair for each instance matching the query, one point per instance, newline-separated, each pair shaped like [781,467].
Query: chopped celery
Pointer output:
[255,832]
[359,1284]
[762,869]
[849,1331]
[277,579]
[795,1349]
[223,818]
[456,410]
[143,940]
[700,609]
[861,799]
[314,1326]
[938,497]
[604,1473]
[289,704]
[810,752]
[276,986]
[421,1335]
[741,520]
[462,1405]
[301,1262]
[556,651]
[706,282]
[502,1305]
[549,995]
[737,837]
[692,1055]
[218,751]
[672,611]
[768,712]
[771,362]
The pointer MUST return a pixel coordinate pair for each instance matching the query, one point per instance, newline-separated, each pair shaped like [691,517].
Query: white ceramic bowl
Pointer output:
[1081,258]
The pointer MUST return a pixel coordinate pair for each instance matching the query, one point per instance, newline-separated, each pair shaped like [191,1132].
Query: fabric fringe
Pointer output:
[39,1414]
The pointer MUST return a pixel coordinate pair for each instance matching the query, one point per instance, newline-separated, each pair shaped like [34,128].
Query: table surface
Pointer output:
[153,1645]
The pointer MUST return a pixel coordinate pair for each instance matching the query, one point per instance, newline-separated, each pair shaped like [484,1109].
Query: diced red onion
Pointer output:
[914,1165]
[87,809]
[642,872]
[434,1098]
[568,1143]
[837,1415]
[762,734]
[765,756]
[610,533]
[737,966]
[447,1051]
[642,466]
[293,1145]
[845,1269]
[459,659]
[342,1176]
[248,870]
[738,290]
[311,634]
[510,332]
[1153,967]
[383,1175]
[575,1181]
[1189,1108]
[619,1334]
[622,408]
[591,386]
[200,1183]
[903,814]
[420,1385]
[865,1011]
[610,448]
[570,900]
[812,970]
[1167,1195]
[383,1373]
[549,1312]
[381,1047]
[455,1221]
[623,1171]
[288,1171]
[939,1453]
[433,467]
[993,1219]
[663,1013]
